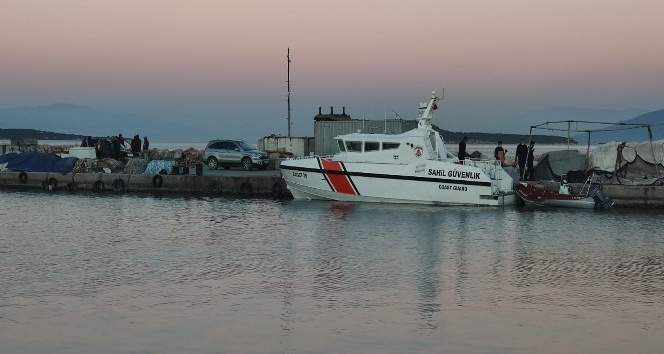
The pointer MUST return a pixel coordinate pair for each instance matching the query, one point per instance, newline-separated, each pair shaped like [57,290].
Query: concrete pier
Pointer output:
[635,196]
[263,184]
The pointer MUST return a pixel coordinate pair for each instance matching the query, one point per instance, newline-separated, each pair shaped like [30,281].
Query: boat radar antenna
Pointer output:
[424,121]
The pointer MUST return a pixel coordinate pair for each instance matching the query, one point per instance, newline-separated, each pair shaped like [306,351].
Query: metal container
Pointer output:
[295,146]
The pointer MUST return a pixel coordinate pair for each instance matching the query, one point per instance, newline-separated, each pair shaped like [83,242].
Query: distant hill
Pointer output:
[654,118]
[61,117]
[492,138]
[36,134]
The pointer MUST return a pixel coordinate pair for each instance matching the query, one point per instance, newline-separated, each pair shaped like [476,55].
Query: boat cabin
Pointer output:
[405,148]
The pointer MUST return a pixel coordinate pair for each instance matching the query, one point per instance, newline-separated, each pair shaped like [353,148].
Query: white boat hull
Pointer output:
[427,182]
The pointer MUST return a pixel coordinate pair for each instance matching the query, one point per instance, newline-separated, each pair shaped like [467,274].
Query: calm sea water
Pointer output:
[130,274]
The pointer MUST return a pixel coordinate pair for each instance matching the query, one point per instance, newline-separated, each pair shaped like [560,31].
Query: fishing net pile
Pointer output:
[633,164]
[623,163]
[136,166]
[98,166]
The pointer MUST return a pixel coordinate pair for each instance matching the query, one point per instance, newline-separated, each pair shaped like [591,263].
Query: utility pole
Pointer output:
[289,93]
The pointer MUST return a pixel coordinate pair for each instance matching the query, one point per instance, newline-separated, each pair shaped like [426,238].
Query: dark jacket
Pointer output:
[462,150]
[531,157]
[136,145]
[521,154]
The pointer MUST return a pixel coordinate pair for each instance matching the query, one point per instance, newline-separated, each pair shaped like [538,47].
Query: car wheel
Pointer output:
[213,163]
[246,163]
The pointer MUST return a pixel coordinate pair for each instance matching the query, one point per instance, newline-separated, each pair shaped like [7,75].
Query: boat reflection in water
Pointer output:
[207,275]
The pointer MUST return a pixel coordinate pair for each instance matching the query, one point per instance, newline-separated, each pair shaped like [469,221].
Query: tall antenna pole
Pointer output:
[289,93]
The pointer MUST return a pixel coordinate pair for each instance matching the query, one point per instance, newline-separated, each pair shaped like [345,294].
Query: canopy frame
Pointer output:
[604,127]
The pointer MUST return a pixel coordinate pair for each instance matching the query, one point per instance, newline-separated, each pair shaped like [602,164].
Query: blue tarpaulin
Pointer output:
[38,162]
[156,167]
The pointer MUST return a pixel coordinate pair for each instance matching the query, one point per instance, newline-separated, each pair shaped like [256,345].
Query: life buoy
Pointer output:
[119,186]
[23,177]
[419,151]
[98,187]
[157,181]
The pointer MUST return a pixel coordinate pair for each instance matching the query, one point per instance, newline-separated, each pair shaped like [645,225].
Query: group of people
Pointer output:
[112,147]
[525,157]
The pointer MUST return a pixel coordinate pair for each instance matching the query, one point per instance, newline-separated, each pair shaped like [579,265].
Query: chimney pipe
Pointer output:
[331,110]
[344,110]
[320,110]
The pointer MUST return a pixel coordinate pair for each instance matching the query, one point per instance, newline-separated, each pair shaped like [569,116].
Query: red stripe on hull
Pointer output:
[340,183]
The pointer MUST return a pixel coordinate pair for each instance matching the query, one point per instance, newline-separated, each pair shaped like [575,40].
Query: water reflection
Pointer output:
[254,275]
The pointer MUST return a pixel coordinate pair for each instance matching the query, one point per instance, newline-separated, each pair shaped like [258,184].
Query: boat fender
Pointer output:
[23,177]
[98,187]
[119,186]
[157,181]
[246,188]
[277,190]
[216,187]
[51,184]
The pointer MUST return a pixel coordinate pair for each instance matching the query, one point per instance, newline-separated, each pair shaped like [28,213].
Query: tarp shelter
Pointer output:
[38,162]
[641,163]
[554,164]
[637,163]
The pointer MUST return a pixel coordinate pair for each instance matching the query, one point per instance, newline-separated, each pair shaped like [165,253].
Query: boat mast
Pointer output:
[289,92]
[427,114]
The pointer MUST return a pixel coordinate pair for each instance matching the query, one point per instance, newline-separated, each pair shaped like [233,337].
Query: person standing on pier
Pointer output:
[530,172]
[521,156]
[462,149]
[499,152]
[136,146]
[146,145]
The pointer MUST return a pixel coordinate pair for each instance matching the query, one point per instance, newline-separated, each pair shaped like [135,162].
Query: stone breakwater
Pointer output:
[249,185]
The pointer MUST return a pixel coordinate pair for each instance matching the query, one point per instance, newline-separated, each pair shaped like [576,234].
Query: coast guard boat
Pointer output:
[412,167]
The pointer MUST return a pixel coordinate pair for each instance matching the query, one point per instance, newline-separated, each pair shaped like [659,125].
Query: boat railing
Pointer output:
[492,168]
[310,157]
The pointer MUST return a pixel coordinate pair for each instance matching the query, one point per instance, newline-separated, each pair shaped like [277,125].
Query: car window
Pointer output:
[390,146]
[227,145]
[342,148]
[215,146]
[245,146]
[354,146]
[371,146]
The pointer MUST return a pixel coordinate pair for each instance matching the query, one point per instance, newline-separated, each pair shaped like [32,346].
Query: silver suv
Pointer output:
[228,153]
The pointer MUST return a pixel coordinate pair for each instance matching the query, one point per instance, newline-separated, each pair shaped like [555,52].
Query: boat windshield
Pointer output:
[390,146]
[354,146]
[342,148]
[371,146]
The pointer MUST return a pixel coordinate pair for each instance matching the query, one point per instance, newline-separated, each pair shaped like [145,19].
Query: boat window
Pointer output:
[354,146]
[371,146]
[390,146]
[342,148]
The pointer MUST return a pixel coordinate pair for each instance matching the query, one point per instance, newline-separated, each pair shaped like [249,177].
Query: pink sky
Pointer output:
[583,52]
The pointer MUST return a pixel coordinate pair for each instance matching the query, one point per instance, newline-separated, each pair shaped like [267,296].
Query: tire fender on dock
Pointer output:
[119,186]
[23,177]
[98,186]
[157,181]
[246,188]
